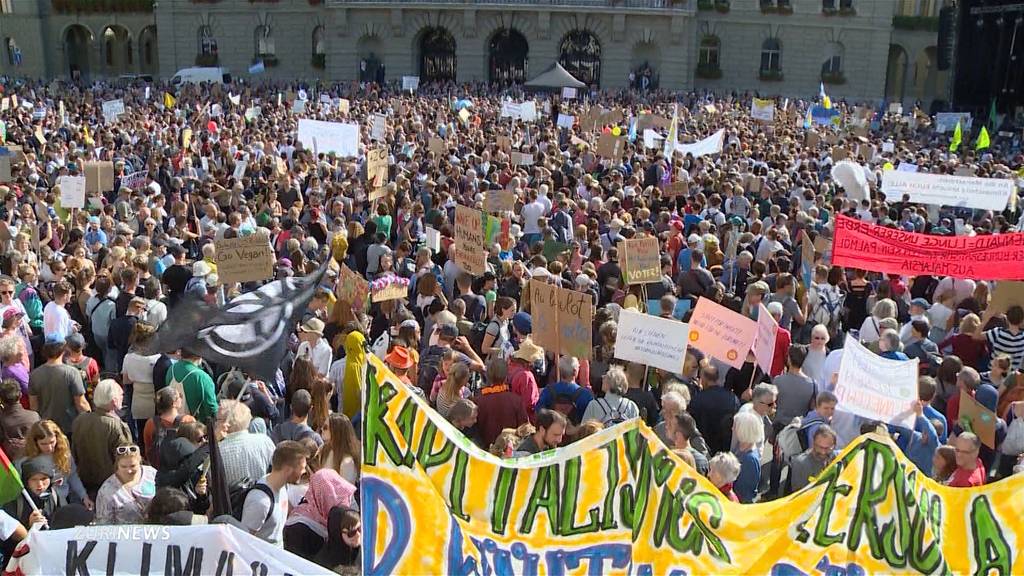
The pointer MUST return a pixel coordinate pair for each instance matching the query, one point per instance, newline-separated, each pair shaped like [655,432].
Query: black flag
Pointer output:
[250,332]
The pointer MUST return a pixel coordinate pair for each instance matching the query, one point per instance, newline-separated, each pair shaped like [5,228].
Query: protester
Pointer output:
[125,495]
[15,420]
[306,529]
[99,434]
[812,461]
[969,469]
[551,426]
[265,509]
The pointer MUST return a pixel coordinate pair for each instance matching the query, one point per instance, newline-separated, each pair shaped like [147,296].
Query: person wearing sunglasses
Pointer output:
[124,496]
[344,539]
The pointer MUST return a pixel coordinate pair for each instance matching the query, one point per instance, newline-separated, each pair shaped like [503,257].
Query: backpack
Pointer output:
[611,417]
[477,334]
[430,364]
[240,491]
[827,309]
[793,439]
[565,404]
[161,433]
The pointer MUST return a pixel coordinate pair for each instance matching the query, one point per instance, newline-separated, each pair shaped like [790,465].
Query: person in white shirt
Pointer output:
[314,347]
[56,319]
[918,311]
[531,213]
[266,505]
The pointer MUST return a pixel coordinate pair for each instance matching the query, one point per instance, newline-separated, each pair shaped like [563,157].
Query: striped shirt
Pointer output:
[246,455]
[1004,341]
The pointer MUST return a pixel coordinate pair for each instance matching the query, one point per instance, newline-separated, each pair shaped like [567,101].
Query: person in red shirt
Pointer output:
[969,469]
[783,339]
[968,381]
[497,406]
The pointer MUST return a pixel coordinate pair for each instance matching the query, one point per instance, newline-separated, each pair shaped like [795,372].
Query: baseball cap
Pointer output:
[447,330]
[921,303]
[523,323]
[12,312]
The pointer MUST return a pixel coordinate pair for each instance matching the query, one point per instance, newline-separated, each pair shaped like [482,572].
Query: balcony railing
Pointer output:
[641,4]
[100,6]
[929,23]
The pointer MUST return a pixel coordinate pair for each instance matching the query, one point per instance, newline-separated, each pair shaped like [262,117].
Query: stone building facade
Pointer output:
[864,49]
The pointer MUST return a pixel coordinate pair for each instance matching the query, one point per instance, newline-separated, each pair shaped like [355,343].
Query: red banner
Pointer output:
[879,249]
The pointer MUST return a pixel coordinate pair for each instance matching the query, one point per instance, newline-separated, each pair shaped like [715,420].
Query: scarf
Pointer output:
[327,489]
[355,366]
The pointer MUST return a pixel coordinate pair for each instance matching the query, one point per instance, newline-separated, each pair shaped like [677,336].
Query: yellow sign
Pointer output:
[619,502]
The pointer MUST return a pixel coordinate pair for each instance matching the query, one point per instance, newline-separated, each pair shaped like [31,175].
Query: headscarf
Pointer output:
[327,489]
[355,366]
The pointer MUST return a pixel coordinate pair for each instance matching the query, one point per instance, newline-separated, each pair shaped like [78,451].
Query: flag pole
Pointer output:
[28,498]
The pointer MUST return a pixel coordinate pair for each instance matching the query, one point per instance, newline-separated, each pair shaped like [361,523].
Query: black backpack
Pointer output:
[477,333]
[566,404]
[161,433]
[611,417]
[430,363]
[240,491]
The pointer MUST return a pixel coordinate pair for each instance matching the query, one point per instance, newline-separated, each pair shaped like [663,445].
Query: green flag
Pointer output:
[993,118]
[10,481]
[957,136]
[983,140]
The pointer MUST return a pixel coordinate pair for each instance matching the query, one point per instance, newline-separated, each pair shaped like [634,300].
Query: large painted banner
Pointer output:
[619,502]
[876,248]
[943,190]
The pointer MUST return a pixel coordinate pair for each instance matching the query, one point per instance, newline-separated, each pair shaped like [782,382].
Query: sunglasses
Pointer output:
[7,292]
[353,531]
[122,450]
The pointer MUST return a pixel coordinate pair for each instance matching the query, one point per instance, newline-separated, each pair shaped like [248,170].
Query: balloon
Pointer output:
[605,130]
[887,166]
[211,126]
[616,131]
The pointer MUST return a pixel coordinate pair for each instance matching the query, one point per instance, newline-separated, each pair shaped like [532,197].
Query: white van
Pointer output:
[198,75]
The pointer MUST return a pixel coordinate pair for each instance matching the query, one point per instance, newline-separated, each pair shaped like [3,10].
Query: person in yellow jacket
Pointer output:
[355,369]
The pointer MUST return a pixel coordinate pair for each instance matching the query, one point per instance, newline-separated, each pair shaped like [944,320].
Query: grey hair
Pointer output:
[884,308]
[104,393]
[615,380]
[764,390]
[890,338]
[235,415]
[677,395]
[568,366]
[9,348]
[775,309]
[748,428]
[725,465]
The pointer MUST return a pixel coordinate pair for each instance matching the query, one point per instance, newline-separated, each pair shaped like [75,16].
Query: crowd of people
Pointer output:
[102,431]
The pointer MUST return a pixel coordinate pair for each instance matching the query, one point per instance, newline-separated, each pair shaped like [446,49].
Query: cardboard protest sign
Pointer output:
[721,333]
[5,169]
[389,291]
[764,343]
[352,288]
[611,147]
[652,341]
[1006,294]
[875,248]
[763,110]
[544,313]
[568,93]
[499,201]
[99,176]
[436,145]
[72,191]
[504,143]
[244,259]
[343,105]
[470,253]
[376,167]
[677,188]
[641,260]
[876,388]
[978,419]
[943,190]
[427,495]
[562,319]
[112,109]
[378,193]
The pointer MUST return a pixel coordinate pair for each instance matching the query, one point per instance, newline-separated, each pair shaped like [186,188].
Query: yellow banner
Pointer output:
[619,502]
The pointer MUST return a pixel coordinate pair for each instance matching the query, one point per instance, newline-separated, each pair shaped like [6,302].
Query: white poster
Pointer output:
[240,167]
[338,137]
[651,138]
[710,145]
[134,180]
[762,110]
[876,388]
[377,127]
[888,147]
[764,344]
[568,93]
[72,191]
[528,111]
[123,550]
[653,341]
[298,106]
[946,121]
[411,83]
[566,121]
[510,109]
[112,109]
[434,239]
[940,190]
[906,167]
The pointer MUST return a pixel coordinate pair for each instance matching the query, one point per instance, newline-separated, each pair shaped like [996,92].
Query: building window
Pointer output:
[108,46]
[708,56]
[6,7]
[265,49]
[580,54]
[207,43]
[771,56]
[319,48]
[13,52]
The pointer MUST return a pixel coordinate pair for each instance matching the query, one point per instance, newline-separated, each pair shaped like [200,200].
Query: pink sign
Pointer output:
[719,332]
[764,344]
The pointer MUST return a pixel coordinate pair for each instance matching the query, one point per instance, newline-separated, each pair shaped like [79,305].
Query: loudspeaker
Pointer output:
[947,38]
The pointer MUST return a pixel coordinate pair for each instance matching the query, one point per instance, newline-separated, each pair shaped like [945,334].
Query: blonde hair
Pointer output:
[42,430]
[970,324]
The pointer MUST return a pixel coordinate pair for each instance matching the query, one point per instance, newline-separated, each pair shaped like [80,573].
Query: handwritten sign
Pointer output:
[352,288]
[610,146]
[978,419]
[436,145]
[112,109]
[656,342]
[876,388]
[378,125]
[641,261]
[562,319]
[410,83]
[764,343]
[499,201]
[240,169]
[72,191]
[568,92]
[390,292]
[469,240]
[566,121]
[721,333]
[246,259]
[521,159]
[376,167]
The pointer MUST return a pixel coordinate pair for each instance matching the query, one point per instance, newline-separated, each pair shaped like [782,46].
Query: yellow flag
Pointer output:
[169,101]
[88,138]
[983,140]
[957,137]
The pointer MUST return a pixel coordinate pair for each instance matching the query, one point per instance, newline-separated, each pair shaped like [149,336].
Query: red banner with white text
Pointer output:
[875,248]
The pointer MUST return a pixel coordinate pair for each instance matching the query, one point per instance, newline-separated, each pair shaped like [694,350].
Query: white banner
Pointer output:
[112,109]
[946,121]
[653,341]
[410,83]
[72,191]
[568,93]
[876,388]
[710,145]
[338,137]
[960,191]
[136,549]
[566,121]
[510,109]
[528,111]
[651,138]
[762,110]
[764,344]
[134,180]
[906,167]
[377,127]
